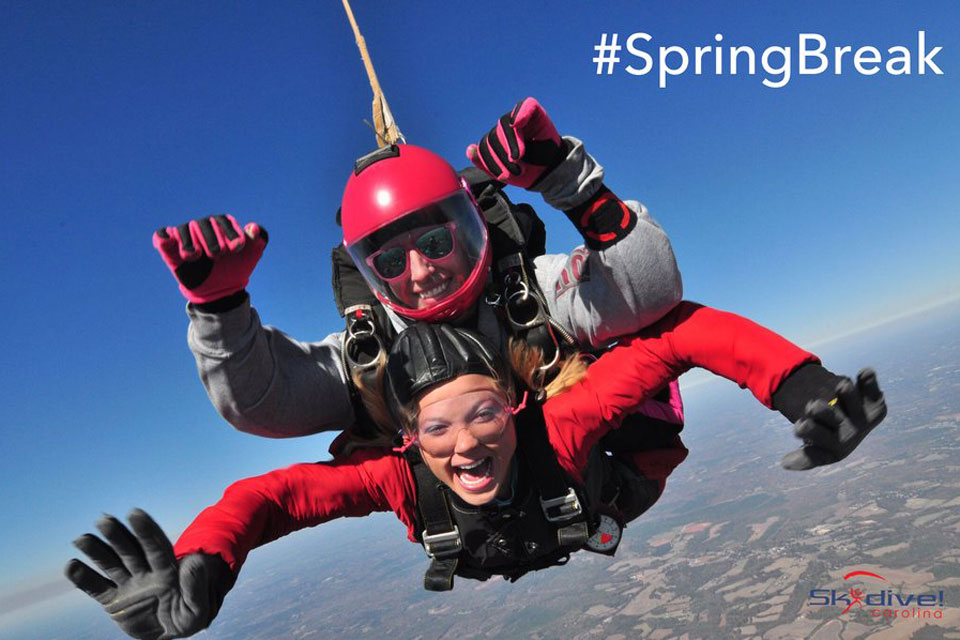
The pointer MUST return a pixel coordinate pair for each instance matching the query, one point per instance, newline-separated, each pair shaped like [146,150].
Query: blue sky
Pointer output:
[815,208]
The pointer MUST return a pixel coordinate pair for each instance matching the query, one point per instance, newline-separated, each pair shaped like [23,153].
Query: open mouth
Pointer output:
[476,476]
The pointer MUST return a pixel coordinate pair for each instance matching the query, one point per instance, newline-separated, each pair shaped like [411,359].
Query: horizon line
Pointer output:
[951,297]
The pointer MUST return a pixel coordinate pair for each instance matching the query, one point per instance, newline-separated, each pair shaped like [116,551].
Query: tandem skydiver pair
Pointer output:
[489,426]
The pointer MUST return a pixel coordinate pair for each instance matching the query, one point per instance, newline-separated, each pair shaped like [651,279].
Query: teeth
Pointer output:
[476,476]
[430,293]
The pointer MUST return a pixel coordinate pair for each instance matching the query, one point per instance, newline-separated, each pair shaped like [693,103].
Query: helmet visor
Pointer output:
[426,256]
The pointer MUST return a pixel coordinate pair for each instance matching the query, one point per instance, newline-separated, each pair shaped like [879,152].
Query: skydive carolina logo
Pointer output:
[882,603]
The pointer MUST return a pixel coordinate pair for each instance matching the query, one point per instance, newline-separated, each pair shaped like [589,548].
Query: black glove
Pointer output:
[149,594]
[832,430]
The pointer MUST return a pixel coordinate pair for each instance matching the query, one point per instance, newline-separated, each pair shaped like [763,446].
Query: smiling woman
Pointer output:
[462,417]
[413,229]
[461,433]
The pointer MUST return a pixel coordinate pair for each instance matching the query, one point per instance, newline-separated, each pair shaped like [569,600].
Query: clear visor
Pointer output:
[426,256]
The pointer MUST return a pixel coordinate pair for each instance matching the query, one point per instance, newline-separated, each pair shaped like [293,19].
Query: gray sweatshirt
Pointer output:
[266,383]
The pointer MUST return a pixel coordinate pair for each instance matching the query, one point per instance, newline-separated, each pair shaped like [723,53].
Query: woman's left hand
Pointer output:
[832,430]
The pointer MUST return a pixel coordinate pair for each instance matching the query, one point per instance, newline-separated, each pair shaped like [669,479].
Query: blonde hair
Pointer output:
[371,391]
[526,362]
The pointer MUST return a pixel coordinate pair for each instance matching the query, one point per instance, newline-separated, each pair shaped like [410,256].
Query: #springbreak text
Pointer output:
[813,55]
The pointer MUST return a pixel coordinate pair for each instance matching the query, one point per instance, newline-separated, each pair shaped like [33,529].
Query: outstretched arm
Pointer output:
[258,510]
[155,591]
[692,335]
[780,375]
[260,380]
[264,382]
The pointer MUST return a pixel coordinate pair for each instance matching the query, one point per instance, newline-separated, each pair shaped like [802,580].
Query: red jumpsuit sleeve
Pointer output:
[690,335]
[257,510]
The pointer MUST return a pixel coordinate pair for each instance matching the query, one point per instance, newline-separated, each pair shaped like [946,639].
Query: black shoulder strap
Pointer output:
[518,235]
[368,333]
[514,228]
[440,536]
[349,287]
[559,499]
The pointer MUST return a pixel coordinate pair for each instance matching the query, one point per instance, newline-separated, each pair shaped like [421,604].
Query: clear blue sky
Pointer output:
[815,208]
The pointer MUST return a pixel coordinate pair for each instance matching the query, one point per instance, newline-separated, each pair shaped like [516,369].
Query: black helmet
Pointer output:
[425,355]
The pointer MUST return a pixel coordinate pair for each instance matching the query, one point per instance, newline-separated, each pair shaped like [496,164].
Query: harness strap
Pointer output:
[349,287]
[360,355]
[440,536]
[439,577]
[522,308]
[558,498]
[516,240]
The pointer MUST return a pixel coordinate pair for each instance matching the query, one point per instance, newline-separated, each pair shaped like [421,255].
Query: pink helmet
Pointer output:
[414,231]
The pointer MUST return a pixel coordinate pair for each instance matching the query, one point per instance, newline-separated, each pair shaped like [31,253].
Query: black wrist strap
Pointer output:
[222,305]
[603,220]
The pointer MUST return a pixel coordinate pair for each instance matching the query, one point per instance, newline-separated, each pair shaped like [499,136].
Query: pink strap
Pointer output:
[520,407]
[408,442]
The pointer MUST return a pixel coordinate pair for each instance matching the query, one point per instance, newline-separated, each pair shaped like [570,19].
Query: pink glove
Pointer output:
[212,257]
[521,148]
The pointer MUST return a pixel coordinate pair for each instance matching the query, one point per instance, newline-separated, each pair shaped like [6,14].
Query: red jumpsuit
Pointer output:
[258,510]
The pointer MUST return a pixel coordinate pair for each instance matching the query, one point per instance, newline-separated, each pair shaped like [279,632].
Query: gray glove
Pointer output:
[832,430]
[149,594]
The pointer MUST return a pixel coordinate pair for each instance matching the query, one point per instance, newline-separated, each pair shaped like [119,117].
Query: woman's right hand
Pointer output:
[521,148]
[148,592]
